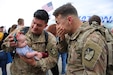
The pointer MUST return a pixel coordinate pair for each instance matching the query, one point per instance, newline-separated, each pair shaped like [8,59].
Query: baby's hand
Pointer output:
[38,54]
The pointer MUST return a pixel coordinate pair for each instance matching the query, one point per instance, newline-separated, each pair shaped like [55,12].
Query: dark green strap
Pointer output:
[46,37]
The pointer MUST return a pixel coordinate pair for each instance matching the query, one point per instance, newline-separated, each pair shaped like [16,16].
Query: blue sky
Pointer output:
[11,10]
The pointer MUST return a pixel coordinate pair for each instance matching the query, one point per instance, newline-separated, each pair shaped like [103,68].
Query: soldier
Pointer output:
[95,18]
[95,21]
[86,48]
[36,40]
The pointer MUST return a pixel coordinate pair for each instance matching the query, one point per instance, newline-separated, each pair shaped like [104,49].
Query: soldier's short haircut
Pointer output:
[65,10]
[41,14]
[95,18]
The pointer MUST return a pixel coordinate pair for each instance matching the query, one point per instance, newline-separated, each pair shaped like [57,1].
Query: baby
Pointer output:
[24,50]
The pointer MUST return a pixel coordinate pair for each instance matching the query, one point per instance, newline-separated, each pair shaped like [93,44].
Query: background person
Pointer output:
[20,22]
[95,18]
[3,55]
[52,29]
[12,28]
[95,22]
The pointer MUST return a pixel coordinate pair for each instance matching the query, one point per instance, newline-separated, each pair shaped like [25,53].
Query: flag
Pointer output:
[48,7]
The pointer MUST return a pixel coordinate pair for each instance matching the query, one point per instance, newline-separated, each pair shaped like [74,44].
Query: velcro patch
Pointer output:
[90,54]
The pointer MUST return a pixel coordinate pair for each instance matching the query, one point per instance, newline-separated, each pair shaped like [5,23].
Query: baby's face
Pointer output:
[20,37]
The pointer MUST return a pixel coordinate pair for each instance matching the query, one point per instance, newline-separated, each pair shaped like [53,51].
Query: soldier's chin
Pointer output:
[34,32]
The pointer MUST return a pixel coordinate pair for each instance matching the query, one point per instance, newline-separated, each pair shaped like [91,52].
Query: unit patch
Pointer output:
[89,53]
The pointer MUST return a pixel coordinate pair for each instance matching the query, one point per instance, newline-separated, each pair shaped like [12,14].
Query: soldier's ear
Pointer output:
[69,18]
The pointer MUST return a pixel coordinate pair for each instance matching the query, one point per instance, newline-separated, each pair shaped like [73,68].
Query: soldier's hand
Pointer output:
[60,32]
[30,61]
[11,41]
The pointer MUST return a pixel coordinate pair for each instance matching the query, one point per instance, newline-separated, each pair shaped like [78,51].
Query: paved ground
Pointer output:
[59,64]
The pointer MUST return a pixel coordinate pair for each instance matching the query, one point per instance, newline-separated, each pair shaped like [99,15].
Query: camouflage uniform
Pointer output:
[87,57]
[37,43]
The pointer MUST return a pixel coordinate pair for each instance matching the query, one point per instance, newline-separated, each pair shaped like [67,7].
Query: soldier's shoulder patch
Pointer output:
[90,54]
[51,49]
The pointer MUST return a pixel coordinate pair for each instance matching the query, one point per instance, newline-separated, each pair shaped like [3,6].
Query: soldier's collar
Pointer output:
[81,29]
[37,38]
[74,35]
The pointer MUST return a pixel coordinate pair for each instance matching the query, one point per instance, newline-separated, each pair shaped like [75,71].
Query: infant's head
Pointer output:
[20,37]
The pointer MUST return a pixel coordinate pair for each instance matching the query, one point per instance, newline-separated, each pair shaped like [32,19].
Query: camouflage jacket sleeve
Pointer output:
[94,55]
[50,61]
[6,45]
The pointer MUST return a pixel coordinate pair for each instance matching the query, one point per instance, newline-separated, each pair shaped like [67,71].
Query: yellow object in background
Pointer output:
[1,35]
